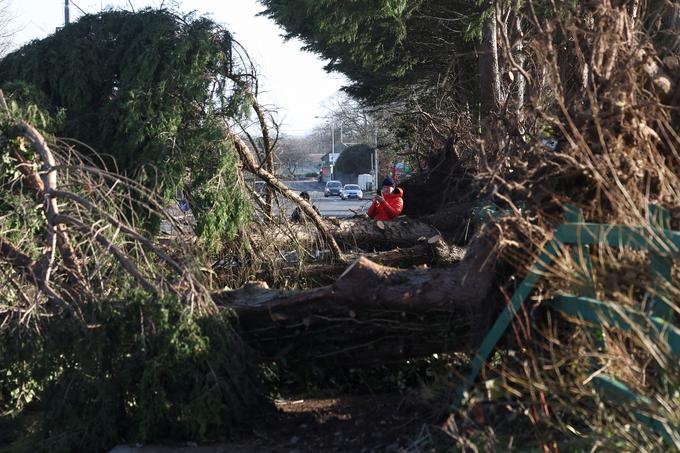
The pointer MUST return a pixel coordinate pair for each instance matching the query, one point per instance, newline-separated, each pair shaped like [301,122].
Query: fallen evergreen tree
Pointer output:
[578,103]
[109,337]
[150,89]
[104,333]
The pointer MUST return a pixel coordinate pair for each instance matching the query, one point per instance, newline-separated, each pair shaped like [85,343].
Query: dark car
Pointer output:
[333,188]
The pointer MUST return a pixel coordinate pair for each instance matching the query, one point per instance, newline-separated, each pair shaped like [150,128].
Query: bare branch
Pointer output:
[48,182]
[249,162]
[122,258]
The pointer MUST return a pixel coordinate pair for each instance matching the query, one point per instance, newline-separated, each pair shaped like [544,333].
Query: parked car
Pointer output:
[351,191]
[333,188]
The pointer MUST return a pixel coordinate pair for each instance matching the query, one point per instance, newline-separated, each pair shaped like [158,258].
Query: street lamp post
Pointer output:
[330,156]
[375,155]
[332,148]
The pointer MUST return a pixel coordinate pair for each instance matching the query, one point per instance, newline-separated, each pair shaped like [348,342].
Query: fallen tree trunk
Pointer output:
[455,220]
[367,234]
[433,251]
[359,233]
[371,314]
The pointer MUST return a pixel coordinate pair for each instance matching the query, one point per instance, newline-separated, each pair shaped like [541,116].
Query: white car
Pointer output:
[351,191]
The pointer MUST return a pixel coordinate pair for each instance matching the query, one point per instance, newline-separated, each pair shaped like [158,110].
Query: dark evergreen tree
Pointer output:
[152,90]
[356,159]
[387,48]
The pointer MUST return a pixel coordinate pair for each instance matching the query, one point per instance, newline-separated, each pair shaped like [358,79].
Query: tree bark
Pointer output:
[368,234]
[455,220]
[42,185]
[521,81]
[365,235]
[489,70]
[268,160]
[433,251]
[372,314]
[359,233]
[15,257]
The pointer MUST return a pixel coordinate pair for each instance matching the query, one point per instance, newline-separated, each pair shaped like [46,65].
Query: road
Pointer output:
[331,206]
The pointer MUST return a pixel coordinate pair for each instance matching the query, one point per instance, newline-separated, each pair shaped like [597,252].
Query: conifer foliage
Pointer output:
[152,90]
[105,336]
[387,48]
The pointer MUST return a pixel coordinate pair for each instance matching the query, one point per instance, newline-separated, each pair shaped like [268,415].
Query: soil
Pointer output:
[364,423]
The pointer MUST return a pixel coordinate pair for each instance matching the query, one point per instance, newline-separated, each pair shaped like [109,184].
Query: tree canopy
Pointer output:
[150,89]
[412,62]
[383,46]
[355,159]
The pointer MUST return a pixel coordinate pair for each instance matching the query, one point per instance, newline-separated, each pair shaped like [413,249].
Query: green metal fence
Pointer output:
[657,323]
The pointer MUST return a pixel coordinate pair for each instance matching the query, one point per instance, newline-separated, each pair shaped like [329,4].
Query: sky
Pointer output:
[291,80]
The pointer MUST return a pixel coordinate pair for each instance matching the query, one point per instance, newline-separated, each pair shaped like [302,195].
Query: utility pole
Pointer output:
[66,18]
[331,156]
[332,148]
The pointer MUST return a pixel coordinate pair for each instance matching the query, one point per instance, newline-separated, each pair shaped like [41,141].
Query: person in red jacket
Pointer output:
[389,204]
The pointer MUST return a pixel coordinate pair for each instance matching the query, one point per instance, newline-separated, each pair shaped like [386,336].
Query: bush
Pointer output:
[119,341]
[140,370]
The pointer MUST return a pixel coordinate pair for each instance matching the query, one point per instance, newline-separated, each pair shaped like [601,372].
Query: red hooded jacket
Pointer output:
[390,209]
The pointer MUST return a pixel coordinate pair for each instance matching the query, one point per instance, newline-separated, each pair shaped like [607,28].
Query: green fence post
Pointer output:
[625,318]
[660,265]
[581,255]
[504,319]
[617,392]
